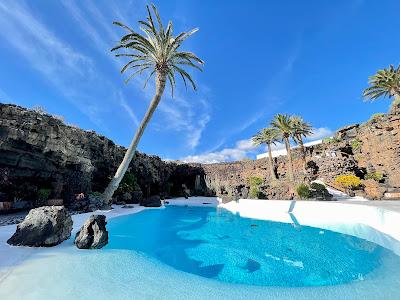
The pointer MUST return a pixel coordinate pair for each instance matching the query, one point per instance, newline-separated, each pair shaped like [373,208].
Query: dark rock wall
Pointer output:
[39,151]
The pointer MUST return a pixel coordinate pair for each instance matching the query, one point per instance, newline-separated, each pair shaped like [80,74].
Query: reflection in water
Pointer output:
[217,244]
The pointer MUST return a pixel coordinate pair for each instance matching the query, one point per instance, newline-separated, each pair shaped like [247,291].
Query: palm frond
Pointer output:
[156,49]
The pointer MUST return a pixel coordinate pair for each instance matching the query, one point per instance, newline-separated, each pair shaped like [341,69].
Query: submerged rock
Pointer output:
[93,234]
[43,227]
[153,201]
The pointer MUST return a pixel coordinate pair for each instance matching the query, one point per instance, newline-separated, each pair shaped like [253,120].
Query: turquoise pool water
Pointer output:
[217,244]
[194,253]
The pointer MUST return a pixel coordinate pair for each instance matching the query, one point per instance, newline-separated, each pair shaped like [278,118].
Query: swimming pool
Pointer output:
[206,252]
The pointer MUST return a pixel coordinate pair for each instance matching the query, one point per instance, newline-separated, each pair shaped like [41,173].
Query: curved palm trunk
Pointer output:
[271,162]
[289,155]
[115,181]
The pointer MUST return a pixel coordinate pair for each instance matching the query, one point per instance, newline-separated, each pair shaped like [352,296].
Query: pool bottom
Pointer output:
[123,274]
[217,244]
[64,272]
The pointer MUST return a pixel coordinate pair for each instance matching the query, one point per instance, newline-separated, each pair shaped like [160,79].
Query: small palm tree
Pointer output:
[156,51]
[268,136]
[301,129]
[283,123]
[385,83]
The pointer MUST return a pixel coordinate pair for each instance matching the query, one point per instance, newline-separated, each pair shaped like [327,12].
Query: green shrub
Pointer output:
[95,194]
[128,184]
[374,175]
[43,194]
[317,187]
[255,181]
[255,193]
[376,117]
[331,140]
[348,181]
[356,144]
[303,191]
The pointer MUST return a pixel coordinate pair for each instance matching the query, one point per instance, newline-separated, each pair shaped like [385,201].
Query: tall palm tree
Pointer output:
[156,51]
[301,129]
[283,123]
[268,136]
[385,83]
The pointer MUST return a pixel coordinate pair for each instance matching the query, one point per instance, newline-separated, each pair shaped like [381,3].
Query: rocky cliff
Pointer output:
[360,149]
[40,152]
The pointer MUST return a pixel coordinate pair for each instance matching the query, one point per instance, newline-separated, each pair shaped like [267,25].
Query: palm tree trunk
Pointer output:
[115,181]
[271,162]
[289,155]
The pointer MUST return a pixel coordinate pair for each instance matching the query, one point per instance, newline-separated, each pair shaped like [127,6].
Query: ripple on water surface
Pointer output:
[217,244]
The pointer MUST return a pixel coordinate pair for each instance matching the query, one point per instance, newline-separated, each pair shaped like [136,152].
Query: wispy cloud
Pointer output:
[245,149]
[186,112]
[128,109]
[60,64]
[4,97]
[320,133]
[242,149]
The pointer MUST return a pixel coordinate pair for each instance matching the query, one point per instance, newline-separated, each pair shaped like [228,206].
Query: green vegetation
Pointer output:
[356,144]
[283,124]
[128,184]
[156,51]
[330,140]
[95,194]
[385,83]
[303,191]
[301,129]
[268,136]
[255,183]
[42,196]
[376,117]
[284,128]
[374,175]
[317,187]
[348,181]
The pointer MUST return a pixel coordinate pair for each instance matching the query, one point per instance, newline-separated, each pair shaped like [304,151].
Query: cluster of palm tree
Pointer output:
[284,128]
[385,83]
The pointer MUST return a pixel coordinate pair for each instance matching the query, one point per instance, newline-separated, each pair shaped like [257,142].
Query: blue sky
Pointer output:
[311,58]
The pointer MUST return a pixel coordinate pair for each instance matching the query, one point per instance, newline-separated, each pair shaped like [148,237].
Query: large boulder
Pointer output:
[43,227]
[153,201]
[93,234]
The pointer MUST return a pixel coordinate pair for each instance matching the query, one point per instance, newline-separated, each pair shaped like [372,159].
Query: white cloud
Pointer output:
[242,149]
[128,109]
[4,97]
[188,113]
[246,148]
[320,133]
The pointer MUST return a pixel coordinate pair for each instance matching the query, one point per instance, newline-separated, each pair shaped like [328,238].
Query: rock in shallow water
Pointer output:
[93,234]
[43,227]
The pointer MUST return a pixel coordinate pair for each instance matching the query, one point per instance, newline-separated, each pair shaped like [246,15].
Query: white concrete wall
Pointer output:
[363,221]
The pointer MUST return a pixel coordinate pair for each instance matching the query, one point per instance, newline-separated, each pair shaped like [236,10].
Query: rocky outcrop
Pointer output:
[40,152]
[153,201]
[93,234]
[43,227]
